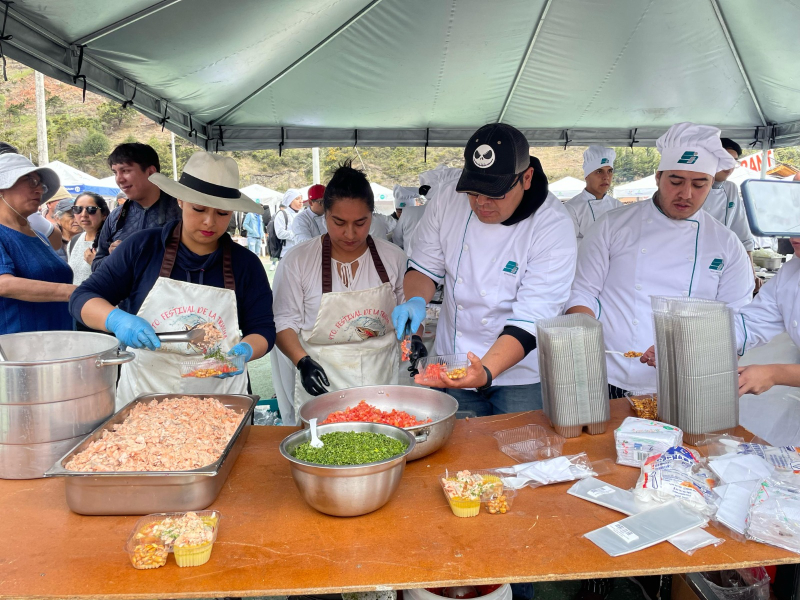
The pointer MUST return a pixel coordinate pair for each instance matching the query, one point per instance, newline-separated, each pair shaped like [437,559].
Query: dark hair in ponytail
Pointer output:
[348,182]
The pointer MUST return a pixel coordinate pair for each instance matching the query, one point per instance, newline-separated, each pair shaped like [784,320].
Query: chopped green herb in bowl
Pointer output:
[345,448]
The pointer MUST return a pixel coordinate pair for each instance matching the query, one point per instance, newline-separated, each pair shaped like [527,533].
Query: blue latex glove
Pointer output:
[131,330]
[242,348]
[410,313]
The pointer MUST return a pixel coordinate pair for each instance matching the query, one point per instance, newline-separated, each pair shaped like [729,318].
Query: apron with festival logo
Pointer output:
[353,337]
[175,306]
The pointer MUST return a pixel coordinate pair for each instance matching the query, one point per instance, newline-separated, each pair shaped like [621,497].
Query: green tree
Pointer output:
[636,163]
[112,115]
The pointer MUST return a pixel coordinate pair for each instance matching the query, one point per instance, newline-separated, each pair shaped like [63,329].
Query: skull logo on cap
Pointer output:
[483,157]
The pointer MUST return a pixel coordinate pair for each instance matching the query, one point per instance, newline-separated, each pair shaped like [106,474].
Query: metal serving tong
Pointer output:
[193,337]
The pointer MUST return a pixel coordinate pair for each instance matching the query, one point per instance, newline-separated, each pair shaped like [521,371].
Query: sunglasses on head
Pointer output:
[89,209]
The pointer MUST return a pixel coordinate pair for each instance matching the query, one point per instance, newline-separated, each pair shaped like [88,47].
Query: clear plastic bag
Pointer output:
[678,474]
[554,470]
[739,584]
[774,515]
[691,541]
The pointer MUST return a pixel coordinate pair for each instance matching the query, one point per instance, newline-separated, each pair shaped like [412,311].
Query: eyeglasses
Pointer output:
[34,182]
[474,195]
[89,209]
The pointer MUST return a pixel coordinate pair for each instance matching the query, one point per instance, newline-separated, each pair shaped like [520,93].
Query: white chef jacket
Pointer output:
[636,252]
[382,226]
[406,226]
[494,275]
[774,310]
[297,290]
[308,225]
[725,204]
[585,209]
[283,228]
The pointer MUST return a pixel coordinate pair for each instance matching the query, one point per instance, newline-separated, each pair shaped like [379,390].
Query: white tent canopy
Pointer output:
[259,192]
[248,74]
[566,188]
[76,181]
[641,188]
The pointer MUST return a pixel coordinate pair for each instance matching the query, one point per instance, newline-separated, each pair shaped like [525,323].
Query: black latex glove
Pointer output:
[313,376]
[418,350]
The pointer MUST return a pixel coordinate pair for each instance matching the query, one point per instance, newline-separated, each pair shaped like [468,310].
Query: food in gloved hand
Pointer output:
[465,489]
[432,372]
[633,354]
[343,448]
[176,434]
[366,413]
[405,349]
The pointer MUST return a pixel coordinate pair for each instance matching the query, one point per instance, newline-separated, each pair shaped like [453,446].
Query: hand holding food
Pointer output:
[649,357]
[131,330]
[410,313]
[473,376]
[240,349]
[312,376]
[416,352]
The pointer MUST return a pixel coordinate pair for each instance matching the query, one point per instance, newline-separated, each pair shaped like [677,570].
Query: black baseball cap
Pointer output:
[494,157]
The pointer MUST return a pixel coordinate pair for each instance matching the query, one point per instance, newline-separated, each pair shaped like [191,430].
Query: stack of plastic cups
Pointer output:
[701,366]
[572,366]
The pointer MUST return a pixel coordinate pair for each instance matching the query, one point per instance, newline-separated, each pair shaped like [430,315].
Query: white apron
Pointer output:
[174,306]
[353,337]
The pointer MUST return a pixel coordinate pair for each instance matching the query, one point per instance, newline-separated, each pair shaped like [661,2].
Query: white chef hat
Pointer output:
[595,157]
[690,147]
[438,177]
[289,196]
[405,196]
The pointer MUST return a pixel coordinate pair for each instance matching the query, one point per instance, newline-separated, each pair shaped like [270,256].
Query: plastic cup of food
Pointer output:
[552,446]
[148,544]
[147,552]
[643,403]
[499,503]
[212,367]
[453,365]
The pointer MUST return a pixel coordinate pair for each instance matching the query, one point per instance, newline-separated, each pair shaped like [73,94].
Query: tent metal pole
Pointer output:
[343,27]
[765,154]
[738,59]
[525,59]
[96,35]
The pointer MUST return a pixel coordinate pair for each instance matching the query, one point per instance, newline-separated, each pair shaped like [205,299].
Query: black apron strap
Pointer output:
[327,274]
[171,254]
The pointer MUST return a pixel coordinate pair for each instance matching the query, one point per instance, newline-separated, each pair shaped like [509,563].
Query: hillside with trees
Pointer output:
[83,133]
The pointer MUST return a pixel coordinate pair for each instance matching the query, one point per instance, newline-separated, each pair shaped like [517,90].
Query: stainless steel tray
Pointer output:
[142,493]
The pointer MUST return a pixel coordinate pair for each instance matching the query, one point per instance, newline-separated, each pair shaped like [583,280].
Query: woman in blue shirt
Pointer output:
[35,284]
[187,275]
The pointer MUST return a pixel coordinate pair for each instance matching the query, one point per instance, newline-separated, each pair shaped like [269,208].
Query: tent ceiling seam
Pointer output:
[444,59]
[341,29]
[117,25]
[525,59]
[724,26]
[614,66]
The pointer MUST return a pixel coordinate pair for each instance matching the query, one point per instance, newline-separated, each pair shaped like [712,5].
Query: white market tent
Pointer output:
[566,188]
[259,192]
[384,197]
[76,181]
[641,188]
[250,74]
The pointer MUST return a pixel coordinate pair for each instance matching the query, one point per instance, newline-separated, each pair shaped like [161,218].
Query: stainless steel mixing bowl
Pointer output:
[347,491]
[423,403]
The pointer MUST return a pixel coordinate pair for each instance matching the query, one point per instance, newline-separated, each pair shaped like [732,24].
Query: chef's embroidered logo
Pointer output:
[603,161]
[730,204]
[511,268]
[688,158]
[716,264]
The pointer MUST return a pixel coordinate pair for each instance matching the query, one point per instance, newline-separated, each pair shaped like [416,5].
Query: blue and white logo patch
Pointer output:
[730,204]
[716,264]
[688,158]
[511,268]
[604,161]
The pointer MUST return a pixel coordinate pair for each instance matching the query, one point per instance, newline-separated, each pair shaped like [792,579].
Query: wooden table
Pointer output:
[271,543]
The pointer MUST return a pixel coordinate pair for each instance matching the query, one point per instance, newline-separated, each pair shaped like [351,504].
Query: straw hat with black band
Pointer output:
[208,180]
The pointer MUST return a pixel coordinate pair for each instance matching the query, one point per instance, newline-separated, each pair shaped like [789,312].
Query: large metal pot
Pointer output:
[55,388]
[347,491]
[423,403]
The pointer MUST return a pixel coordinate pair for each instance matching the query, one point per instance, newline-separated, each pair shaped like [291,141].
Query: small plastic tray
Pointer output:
[499,503]
[210,367]
[185,557]
[529,443]
[644,404]
[471,508]
[455,365]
